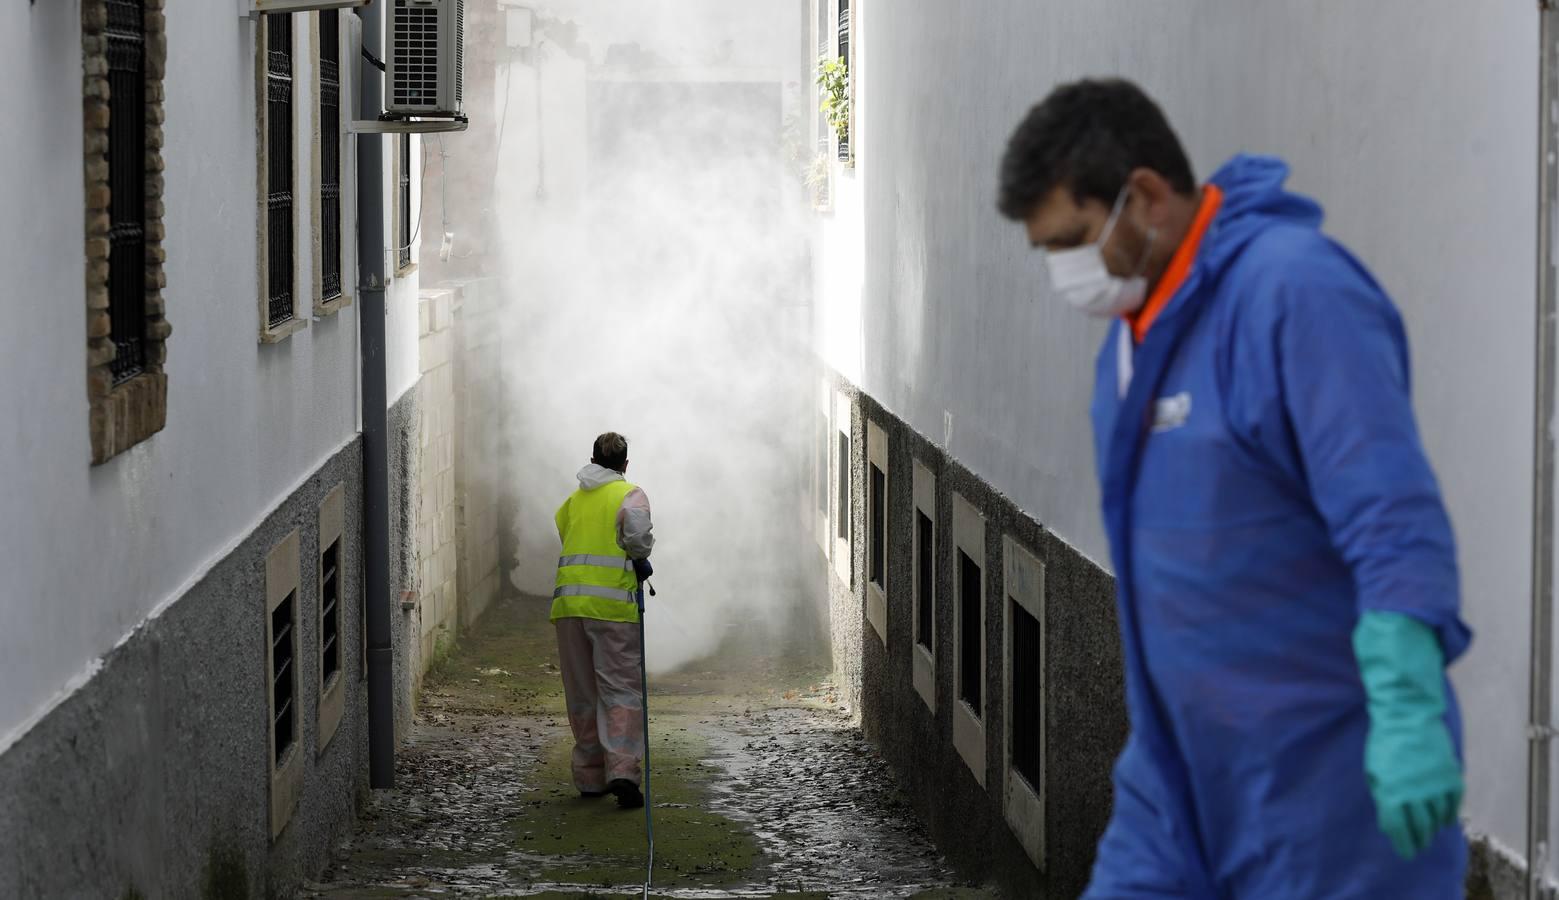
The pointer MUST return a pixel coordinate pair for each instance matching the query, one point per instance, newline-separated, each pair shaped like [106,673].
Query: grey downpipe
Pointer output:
[376,466]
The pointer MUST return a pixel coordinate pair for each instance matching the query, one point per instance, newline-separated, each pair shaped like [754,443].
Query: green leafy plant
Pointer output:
[833,82]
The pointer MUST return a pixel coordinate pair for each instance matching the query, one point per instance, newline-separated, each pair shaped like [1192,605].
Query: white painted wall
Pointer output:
[1427,171]
[90,552]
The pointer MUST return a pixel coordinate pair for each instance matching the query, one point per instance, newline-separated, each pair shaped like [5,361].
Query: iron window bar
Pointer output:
[279,186]
[403,245]
[126,35]
[282,682]
[330,652]
[330,154]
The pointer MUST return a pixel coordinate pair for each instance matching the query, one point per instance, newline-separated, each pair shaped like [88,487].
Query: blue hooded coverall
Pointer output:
[1263,486]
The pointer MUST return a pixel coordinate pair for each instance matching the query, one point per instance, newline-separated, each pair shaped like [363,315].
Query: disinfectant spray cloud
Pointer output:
[655,260]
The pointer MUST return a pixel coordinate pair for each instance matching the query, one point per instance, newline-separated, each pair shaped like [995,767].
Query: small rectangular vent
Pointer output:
[415,36]
[1028,708]
[971,609]
[925,583]
[330,612]
[879,528]
[843,473]
[283,677]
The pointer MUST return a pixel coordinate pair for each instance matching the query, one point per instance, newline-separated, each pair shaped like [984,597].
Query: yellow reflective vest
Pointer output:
[595,576]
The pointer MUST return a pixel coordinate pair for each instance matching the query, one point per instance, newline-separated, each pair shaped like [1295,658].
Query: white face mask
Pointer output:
[1082,279]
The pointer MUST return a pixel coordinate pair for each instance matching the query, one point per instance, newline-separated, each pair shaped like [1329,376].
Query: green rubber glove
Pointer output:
[1414,774]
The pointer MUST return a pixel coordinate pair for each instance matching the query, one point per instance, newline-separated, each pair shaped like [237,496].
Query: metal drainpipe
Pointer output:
[376,468]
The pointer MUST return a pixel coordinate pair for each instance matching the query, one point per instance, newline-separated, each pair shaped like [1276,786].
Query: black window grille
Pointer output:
[825,37]
[403,240]
[879,528]
[126,35]
[284,678]
[846,61]
[1028,707]
[279,178]
[822,465]
[330,154]
[925,577]
[330,612]
[971,607]
[843,487]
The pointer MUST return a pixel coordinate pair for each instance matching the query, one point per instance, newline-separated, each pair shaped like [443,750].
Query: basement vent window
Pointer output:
[282,582]
[1023,801]
[877,530]
[332,568]
[971,613]
[280,240]
[969,636]
[284,714]
[924,551]
[330,128]
[925,578]
[842,471]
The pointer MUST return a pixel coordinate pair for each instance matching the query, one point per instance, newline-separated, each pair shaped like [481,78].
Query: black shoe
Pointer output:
[628,796]
[592,795]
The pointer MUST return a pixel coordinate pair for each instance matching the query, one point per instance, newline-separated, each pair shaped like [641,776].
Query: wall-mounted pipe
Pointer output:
[376,466]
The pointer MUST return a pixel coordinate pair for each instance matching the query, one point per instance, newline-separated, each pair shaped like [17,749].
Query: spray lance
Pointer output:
[643,570]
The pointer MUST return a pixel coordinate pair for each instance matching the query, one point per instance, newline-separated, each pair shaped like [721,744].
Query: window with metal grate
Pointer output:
[284,677]
[848,62]
[280,247]
[878,538]
[925,577]
[126,34]
[1028,708]
[330,612]
[971,609]
[403,237]
[330,154]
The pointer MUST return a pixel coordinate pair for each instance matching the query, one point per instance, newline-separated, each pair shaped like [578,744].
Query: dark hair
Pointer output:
[1088,136]
[610,451]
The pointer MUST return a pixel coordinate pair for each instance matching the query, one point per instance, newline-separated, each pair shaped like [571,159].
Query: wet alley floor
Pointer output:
[761,788]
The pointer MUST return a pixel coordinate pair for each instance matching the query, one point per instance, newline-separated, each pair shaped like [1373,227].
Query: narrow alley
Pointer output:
[762,788]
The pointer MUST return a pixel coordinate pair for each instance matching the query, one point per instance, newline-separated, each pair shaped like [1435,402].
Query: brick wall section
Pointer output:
[433,510]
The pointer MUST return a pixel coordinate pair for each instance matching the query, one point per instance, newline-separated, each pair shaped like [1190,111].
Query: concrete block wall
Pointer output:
[479,417]
[437,587]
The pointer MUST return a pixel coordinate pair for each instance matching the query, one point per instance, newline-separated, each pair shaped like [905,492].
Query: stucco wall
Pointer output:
[1427,170]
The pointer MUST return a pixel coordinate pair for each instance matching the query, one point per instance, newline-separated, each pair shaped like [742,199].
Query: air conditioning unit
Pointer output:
[425,65]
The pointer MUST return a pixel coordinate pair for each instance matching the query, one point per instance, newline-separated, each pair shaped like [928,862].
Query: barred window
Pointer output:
[330,154]
[284,687]
[126,39]
[971,611]
[280,247]
[846,61]
[403,237]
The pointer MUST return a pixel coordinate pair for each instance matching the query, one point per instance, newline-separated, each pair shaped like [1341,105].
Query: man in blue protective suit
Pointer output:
[1286,572]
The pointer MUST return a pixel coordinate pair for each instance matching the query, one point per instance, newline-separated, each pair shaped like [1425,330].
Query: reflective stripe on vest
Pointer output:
[590,590]
[591,559]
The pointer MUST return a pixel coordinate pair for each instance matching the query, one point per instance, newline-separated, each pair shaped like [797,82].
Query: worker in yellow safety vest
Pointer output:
[607,537]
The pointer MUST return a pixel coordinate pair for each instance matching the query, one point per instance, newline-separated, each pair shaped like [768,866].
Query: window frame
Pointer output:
[275,333]
[968,724]
[1023,802]
[878,533]
[122,412]
[923,656]
[282,581]
[406,187]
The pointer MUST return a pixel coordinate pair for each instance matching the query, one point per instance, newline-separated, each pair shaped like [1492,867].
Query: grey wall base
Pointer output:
[154,776]
[1084,694]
